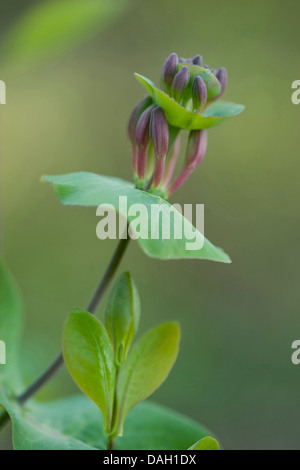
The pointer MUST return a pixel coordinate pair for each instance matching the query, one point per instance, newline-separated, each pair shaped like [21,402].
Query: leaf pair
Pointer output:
[180,117]
[90,189]
[104,368]
[72,423]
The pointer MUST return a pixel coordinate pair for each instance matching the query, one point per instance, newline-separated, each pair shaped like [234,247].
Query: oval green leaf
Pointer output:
[89,358]
[147,366]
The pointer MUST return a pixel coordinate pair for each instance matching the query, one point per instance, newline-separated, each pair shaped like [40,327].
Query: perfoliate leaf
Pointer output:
[122,315]
[89,357]
[147,366]
[206,443]
[51,27]
[89,189]
[178,116]
[10,328]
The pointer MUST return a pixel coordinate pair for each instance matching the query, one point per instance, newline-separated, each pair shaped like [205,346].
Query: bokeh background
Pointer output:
[68,112]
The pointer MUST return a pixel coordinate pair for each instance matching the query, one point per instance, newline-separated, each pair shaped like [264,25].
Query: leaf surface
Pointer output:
[178,116]
[89,358]
[147,366]
[90,189]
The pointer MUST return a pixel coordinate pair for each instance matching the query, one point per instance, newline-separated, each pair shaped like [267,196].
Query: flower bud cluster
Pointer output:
[188,79]
[192,85]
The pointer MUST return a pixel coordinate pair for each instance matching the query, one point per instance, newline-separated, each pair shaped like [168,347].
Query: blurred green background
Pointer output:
[234,372]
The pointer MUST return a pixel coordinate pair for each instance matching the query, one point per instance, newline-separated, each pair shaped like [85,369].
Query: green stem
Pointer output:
[110,444]
[92,308]
[114,420]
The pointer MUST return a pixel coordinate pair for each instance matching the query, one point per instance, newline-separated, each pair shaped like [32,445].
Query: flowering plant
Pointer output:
[99,355]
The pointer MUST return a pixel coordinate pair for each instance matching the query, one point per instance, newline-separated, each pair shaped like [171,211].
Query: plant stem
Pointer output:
[92,308]
[110,444]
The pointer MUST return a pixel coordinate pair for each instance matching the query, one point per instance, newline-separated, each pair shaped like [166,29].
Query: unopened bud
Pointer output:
[180,82]
[169,70]
[135,115]
[142,139]
[196,148]
[159,132]
[142,135]
[222,77]
[171,162]
[199,93]
[197,60]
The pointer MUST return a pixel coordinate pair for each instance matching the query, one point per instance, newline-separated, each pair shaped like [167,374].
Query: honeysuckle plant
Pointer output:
[115,375]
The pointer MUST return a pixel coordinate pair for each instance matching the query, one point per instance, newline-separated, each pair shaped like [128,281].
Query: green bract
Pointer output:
[178,116]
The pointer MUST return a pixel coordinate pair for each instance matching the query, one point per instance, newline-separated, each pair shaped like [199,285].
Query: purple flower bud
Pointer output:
[199,93]
[135,115]
[169,70]
[142,135]
[159,132]
[180,81]
[142,139]
[197,60]
[222,77]
[181,60]
[196,148]
[132,124]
